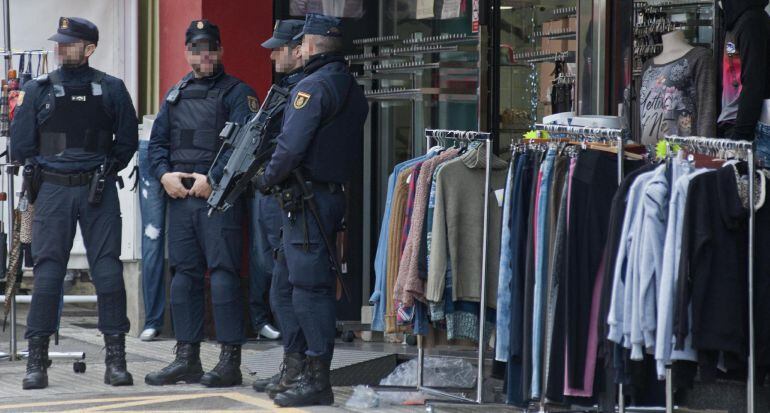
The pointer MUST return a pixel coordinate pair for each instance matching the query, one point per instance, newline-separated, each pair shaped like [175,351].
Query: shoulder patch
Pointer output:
[20,98]
[253,103]
[301,100]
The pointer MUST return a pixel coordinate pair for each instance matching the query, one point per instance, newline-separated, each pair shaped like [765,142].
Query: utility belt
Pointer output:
[71,180]
[292,196]
[34,176]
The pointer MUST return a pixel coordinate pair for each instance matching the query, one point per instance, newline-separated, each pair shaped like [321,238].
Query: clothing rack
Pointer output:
[607,133]
[440,135]
[699,143]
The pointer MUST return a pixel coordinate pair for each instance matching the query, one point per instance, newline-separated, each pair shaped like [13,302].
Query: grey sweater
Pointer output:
[458,226]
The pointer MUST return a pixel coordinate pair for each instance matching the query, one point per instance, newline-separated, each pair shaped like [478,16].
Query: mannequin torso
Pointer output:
[675,46]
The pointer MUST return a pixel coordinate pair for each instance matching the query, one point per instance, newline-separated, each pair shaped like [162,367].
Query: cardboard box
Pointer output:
[555,26]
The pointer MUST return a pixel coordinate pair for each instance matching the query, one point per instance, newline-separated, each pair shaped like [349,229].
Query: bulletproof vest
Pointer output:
[338,145]
[79,119]
[197,114]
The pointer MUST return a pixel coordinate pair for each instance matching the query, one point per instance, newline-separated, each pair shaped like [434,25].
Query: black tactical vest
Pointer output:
[197,114]
[79,120]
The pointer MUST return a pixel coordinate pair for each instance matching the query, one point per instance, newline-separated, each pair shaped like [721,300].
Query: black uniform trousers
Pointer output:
[198,242]
[58,209]
[306,307]
[265,240]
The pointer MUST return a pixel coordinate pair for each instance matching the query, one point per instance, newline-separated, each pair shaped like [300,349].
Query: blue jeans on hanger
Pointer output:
[152,203]
[541,270]
[763,144]
[503,340]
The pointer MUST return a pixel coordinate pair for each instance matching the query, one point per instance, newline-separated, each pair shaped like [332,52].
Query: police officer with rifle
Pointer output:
[183,143]
[266,222]
[265,214]
[321,136]
[75,128]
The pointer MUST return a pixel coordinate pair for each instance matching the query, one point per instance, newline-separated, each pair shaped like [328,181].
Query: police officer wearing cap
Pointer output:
[68,125]
[321,137]
[183,144]
[266,225]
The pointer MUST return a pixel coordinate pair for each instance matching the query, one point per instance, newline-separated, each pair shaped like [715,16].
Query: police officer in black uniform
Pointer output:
[266,223]
[68,125]
[264,212]
[183,144]
[321,137]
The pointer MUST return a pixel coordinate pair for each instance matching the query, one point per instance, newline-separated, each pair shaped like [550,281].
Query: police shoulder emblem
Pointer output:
[253,103]
[200,25]
[65,23]
[301,100]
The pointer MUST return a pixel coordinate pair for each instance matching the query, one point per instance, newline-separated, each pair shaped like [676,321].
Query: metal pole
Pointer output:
[8,58]
[483,291]
[669,391]
[752,190]
[621,399]
[420,361]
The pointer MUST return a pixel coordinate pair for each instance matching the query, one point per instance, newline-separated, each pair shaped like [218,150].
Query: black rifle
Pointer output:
[250,149]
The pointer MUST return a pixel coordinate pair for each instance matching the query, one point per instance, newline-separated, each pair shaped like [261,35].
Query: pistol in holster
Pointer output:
[32,180]
[96,187]
[99,181]
[290,198]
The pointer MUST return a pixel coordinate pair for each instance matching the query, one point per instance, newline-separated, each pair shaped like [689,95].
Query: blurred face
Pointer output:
[308,47]
[286,58]
[73,54]
[204,57]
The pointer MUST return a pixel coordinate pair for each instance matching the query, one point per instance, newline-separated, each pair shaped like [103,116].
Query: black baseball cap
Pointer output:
[74,29]
[284,33]
[202,30]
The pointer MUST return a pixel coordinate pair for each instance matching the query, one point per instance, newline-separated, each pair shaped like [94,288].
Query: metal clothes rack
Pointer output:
[700,143]
[437,135]
[619,135]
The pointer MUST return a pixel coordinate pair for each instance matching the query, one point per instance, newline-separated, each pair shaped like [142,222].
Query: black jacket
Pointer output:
[750,25]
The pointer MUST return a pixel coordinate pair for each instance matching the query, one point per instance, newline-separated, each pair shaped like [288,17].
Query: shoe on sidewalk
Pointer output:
[269,332]
[149,334]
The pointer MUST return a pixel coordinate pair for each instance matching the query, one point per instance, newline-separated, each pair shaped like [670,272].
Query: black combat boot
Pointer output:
[186,367]
[227,372]
[291,369]
[37,364]
[116,373]
[314,387]
[260,385]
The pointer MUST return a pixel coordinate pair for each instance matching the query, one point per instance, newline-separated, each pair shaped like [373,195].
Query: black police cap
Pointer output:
[284,33]
[202,30]
[74,29]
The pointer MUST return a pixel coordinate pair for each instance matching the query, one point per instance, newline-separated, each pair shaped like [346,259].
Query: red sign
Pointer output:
[475,20]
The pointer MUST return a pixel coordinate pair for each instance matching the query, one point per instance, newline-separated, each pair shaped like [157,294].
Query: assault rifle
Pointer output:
[250,150]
